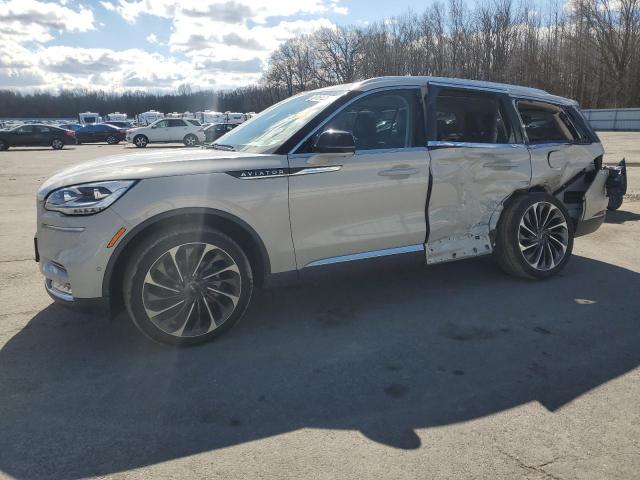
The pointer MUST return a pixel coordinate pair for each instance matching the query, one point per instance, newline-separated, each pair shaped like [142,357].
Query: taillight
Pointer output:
[69,133]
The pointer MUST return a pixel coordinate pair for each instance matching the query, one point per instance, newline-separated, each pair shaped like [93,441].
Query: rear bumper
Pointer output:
[585,227]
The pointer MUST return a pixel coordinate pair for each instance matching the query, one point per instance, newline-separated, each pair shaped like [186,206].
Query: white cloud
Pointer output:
[213,43]
[34,20]
[108,6]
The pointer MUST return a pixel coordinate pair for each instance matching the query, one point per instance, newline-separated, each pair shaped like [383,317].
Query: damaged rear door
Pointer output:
[478,159]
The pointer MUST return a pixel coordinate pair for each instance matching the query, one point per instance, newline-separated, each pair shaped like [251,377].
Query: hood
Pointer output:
[164,163]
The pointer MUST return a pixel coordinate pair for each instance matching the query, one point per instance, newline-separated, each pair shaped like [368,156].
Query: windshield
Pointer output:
[271,128]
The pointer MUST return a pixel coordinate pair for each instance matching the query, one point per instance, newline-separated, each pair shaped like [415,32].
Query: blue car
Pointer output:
[74,127]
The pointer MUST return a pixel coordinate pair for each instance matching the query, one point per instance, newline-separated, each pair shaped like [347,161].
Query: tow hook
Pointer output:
[616,185]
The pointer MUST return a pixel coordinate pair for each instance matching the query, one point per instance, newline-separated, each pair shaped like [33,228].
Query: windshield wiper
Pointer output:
[220,146]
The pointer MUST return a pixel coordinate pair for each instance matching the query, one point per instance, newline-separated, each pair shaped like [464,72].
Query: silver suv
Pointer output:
[427,169]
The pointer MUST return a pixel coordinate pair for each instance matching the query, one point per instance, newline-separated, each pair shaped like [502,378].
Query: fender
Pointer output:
[127,239]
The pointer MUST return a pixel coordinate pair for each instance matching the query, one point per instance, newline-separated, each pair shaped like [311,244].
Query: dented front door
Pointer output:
[473,170]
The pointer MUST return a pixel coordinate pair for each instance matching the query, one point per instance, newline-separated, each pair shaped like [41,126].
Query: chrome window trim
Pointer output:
[367,255]
[350,102]
[468,87]
[365,152]
[444,144]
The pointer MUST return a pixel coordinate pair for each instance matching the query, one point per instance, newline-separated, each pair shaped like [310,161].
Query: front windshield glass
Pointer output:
[271,128]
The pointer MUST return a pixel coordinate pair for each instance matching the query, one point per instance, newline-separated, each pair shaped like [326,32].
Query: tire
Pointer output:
[57,144]
[111,140]
[3,145]
[614,203]
[190,140]
[207,303]
[524,249]
[140,141]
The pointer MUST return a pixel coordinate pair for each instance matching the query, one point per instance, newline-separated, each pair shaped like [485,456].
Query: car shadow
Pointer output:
[383,354]
[43,149]
[621,216]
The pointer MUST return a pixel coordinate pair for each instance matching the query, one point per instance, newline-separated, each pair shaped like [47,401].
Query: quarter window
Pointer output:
[472,117]
[384,120]
[546,123]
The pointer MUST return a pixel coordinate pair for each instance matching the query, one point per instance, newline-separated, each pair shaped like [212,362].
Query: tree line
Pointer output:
[588,50]
[585,49]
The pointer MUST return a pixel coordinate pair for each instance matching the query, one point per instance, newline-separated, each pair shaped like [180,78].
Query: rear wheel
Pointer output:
[534,236]
[140,141]
[190,140]
[111,140]
[57,144]
[614,203]
[185,288]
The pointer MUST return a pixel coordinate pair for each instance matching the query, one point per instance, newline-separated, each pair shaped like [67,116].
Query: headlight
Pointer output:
[87,198]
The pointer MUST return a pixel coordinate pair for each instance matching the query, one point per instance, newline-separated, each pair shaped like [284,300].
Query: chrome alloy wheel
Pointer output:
[190,141]
[57,144]
[543,236]
[140,141]
[191,289]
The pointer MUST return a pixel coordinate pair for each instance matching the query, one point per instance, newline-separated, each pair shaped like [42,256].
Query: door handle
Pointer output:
[399,171]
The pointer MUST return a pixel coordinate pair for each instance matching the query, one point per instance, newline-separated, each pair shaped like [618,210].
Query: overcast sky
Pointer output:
[159,44]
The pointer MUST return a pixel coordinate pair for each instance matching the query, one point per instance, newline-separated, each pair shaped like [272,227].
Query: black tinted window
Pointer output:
[174,122]
[25,129]
[42,129]
[547,123]
[383,120]
[471,117]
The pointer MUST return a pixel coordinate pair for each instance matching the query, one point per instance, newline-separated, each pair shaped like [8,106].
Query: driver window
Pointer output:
[381,120]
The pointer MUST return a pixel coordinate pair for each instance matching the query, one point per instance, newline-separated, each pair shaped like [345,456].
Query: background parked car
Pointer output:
[167,130]
[120,123]
[216,130]
[31,135]
[74,127]
[100,132]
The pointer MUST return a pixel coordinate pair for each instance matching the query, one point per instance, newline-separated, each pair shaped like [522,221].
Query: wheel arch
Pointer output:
[239,230]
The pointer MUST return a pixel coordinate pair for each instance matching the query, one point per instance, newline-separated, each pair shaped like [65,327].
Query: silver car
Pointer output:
[426,169]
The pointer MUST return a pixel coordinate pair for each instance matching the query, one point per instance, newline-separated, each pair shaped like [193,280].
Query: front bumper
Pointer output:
[73,255]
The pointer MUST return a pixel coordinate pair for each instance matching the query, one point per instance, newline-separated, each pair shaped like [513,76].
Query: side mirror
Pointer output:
[154,126]
[335,141]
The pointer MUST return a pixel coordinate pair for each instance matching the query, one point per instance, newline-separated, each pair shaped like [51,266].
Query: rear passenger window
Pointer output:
[175,123]
[545,123]
[471,117]
[42,129]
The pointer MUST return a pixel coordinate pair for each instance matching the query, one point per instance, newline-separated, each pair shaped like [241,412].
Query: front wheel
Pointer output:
[187,287]
[57,144]
[140,141]
[534,238]
[190,140]
[3,145]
